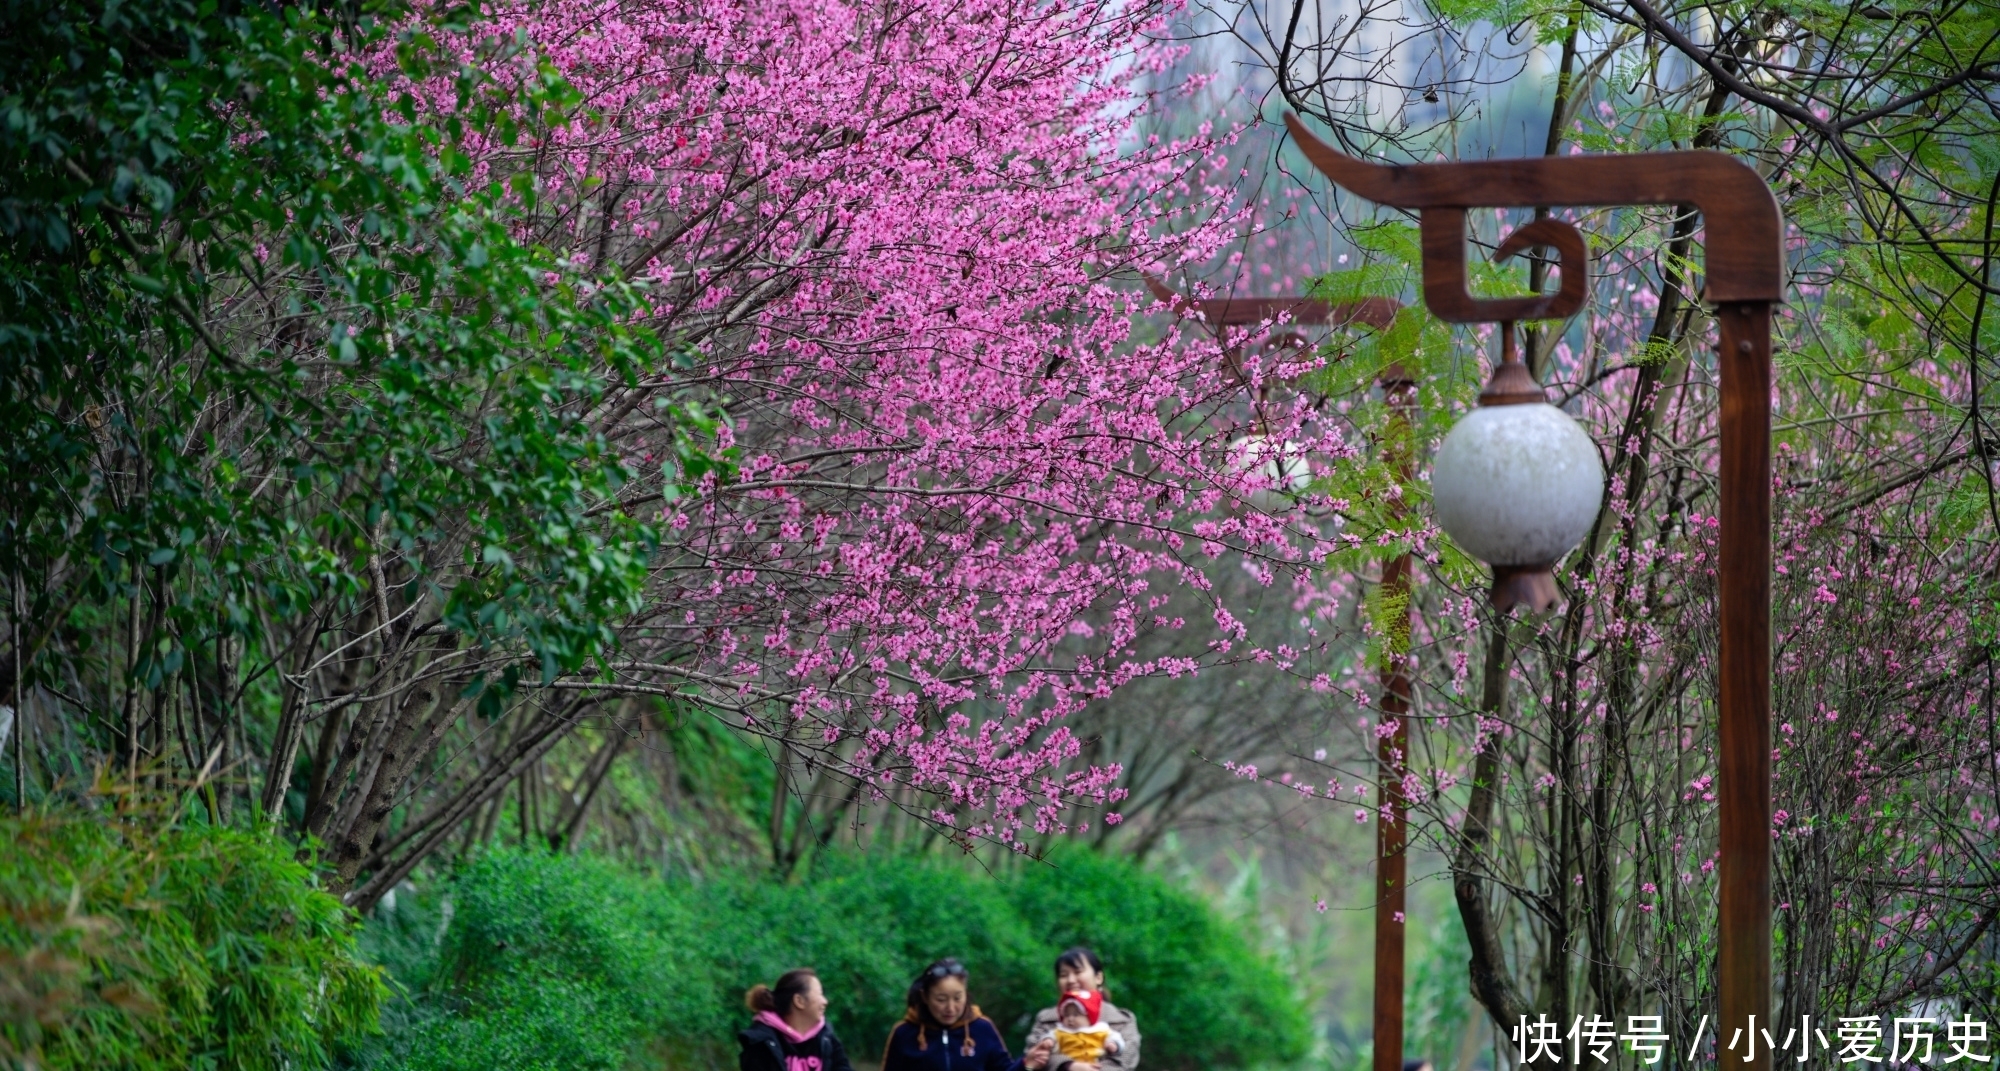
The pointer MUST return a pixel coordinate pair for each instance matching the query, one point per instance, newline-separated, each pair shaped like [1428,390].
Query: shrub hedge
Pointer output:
[534,961]
[132,942]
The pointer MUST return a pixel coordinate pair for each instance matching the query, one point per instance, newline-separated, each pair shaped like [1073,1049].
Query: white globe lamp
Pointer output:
[1276,470]
[1517,484]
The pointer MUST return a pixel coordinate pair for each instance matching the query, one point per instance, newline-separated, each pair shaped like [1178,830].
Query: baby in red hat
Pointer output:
[1080,1036]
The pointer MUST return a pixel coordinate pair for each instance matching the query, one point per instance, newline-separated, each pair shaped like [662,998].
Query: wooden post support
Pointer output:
[1743,582]
[1392,760]
[1392,750]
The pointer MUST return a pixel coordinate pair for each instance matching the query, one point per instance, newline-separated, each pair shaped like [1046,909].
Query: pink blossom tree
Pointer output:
[918,487]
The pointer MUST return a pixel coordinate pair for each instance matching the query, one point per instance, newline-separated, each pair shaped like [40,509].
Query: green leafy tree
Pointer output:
[296,407]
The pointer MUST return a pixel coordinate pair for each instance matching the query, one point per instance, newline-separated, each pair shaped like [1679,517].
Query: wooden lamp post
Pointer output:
[1745,269]
[1399,390]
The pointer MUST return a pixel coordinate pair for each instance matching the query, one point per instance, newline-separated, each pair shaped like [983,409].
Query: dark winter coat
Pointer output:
[973,1044]
[765,1050]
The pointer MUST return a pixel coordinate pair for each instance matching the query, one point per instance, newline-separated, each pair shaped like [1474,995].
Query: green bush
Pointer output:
[552,962]
[556,962]
[135,943]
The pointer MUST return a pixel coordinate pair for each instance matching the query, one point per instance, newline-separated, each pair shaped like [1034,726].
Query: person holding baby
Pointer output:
[1084,1031]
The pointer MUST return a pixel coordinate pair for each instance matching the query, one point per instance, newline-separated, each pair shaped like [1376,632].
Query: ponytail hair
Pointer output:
[779,999]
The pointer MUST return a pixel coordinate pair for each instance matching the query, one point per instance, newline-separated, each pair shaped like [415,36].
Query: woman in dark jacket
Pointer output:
[943,1030]
[789,1031]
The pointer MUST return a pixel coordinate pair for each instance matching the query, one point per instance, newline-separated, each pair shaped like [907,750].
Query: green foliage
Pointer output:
[551,961]
[1388,624]
[1381,506]
[1437,1000]
[263,329]
[133,944]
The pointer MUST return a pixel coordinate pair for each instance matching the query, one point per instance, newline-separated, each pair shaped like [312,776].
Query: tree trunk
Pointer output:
[1491,981]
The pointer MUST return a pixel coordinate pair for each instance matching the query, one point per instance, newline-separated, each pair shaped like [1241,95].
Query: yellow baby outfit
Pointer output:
[1086,1044]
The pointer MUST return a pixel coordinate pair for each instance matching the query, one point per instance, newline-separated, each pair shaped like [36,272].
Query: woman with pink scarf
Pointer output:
[790,1031]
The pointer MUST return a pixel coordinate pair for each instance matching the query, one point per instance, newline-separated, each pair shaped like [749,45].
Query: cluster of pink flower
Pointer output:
[897,249]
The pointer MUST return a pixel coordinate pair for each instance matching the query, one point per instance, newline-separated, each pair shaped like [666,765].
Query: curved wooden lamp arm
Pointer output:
[1745,253]
[1444,271]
